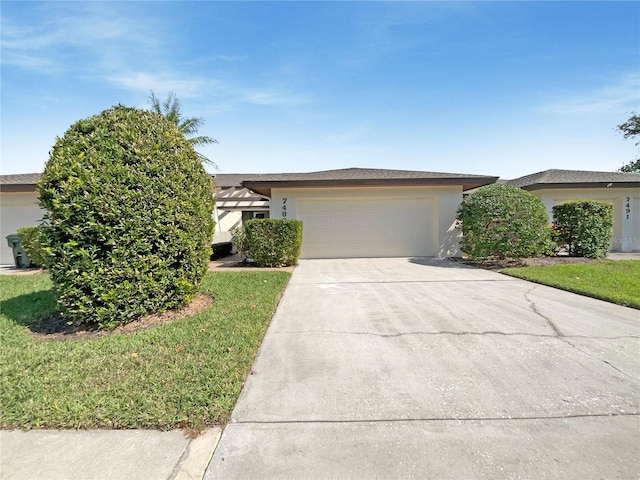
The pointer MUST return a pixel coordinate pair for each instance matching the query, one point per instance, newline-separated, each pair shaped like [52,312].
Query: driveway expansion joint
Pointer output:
[446,332]
[373,282]
[439,419]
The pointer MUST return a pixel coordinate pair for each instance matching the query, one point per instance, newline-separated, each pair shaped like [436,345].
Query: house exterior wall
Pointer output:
[18,209]
[443,200]
[626,206]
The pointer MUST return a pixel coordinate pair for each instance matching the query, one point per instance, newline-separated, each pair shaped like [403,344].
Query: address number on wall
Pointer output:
[284,207]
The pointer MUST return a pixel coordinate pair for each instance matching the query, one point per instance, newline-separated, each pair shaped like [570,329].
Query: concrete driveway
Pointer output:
[405,367]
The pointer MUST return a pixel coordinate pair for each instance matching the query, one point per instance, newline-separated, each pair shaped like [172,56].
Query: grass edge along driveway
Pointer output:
[615,281]
[184,374]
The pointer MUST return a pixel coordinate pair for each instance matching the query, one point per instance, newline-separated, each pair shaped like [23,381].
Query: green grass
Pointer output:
[185,374]
[612,281]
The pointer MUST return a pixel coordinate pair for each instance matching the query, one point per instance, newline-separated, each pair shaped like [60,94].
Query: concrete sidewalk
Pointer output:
[388,368]
[104,454]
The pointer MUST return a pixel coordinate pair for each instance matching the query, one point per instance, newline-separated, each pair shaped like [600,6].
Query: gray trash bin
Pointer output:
[20,257]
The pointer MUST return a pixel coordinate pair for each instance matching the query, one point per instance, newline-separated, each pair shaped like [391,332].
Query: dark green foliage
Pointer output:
[584,227]
[631,129]
[221,250]
[274,242]
[504,221]
[129,206]
[31,240]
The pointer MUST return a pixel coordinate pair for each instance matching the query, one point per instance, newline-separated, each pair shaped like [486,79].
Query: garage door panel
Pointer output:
[336,228]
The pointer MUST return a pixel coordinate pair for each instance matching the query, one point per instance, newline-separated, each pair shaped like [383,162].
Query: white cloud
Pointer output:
[624,94]
[164,82]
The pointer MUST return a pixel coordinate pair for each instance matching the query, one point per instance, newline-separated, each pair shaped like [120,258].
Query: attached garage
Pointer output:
[370,212]
[368,227]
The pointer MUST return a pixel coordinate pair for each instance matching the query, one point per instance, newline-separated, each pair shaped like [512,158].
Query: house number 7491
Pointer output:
[284,207]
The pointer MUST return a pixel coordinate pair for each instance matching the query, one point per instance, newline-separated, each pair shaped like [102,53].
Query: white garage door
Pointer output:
[367,227]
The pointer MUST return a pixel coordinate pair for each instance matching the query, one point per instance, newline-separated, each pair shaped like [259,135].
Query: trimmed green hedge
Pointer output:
[129,211]
[584,227]
[504,221]
[31,240]
[274,242]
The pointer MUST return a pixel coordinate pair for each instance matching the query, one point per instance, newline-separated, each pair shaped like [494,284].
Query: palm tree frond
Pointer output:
[170,109]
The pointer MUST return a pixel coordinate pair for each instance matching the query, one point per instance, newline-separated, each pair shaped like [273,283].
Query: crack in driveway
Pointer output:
[534,309]
[563,338]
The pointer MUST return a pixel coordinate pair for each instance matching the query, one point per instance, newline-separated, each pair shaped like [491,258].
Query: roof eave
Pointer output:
[263,187]
[544,186]
[18,188]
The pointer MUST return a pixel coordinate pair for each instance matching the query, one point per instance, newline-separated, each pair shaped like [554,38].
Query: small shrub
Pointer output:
[221,250]
[31,240]
[584,227]
[129,210]
[239,240]
[504,221]
[274,242]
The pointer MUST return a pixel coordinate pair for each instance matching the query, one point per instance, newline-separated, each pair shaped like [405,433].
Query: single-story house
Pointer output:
[620,189]
[360,212]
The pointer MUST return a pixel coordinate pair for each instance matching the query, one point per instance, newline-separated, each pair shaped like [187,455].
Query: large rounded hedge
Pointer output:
[504,221]
[130,212]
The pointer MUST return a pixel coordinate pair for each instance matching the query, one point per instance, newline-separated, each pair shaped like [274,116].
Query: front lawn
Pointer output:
[609,280]
[184,374]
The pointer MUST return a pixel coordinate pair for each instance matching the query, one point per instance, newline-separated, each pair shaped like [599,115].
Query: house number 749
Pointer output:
[284,207]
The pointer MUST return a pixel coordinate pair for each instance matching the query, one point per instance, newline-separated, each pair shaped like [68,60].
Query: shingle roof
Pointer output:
[362,177]
[20,179]
[361,174]
[575,179]
[223,180]
[21,182]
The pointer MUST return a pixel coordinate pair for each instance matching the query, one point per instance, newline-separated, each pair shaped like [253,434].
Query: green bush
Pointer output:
[221,250]
[129,206]
[584,227]
[31,240]
[504,221]
[274,242]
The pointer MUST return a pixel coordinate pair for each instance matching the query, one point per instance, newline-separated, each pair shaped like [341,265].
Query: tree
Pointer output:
[170,109]
[129,209]
[631,129]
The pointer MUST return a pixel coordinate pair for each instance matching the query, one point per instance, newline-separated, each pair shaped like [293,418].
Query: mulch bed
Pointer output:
[57,327]
[496,264]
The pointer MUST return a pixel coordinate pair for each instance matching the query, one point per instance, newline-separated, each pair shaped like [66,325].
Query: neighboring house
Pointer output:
[620,189]
[19,203]
[19,206]
[357,212]
[235,204]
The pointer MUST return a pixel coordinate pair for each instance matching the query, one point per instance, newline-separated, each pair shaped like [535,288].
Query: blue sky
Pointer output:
[495,88]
